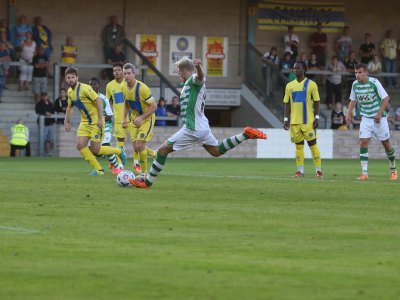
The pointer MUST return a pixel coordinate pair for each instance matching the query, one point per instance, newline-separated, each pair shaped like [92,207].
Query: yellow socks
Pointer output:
[90,158]
[150,152]
[316,155]
[107,150]
[143,160]
[299,155]
[120,144]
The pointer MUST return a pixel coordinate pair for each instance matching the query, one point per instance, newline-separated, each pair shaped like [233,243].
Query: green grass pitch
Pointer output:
[208,229]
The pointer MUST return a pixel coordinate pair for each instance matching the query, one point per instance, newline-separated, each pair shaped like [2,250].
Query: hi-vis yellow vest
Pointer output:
[19,135]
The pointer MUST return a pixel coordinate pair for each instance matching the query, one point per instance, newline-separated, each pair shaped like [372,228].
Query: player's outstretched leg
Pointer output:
[155,170]
[252,133]
[234,141]
[392,161]
[92,161]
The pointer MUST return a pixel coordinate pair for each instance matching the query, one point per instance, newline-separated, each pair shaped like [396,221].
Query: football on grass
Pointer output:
[123,178]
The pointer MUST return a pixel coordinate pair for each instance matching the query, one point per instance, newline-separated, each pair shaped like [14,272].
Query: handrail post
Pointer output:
[41,135]
[56,86]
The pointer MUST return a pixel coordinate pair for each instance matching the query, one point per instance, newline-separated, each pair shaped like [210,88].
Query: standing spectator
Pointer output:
[375,66]
[28,49]
[112,35]
[312,65]
[173,110]
[318,43]
[397,119]
[61,104]
[291,41]
[367,49]
[40,64]
[388,49]
[270,57]
[286,63]
[334,82]
[350,64]
[337,116]
[373,101]
[161,112]
[4,65]
[4,28]
[42,36]
[20,138]
[343,44]
[21,30]
[46,108]
[117,56]
[69,53]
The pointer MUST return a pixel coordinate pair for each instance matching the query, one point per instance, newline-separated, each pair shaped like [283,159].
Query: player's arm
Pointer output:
[383,107]
[126,110]
[286,116]
[199,69]
[151,109]
[99,106]
[68,113]
[349,115]
[316,114]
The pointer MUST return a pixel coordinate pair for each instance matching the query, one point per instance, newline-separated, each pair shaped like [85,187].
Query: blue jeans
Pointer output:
[389,66]
[2,82]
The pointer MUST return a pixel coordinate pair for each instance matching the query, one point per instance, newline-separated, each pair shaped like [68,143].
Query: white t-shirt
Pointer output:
[287,39]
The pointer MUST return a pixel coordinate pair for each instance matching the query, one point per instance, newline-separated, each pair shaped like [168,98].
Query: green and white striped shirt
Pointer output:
[107,111]
[369,96]
[192,101]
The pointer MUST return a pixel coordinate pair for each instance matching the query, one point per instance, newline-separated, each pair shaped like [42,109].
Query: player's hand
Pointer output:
[124,124]
[378,117]
[315,123]
[286,125]
[348,120]
[67,126]
[138,121]
[197,62]
[100,123]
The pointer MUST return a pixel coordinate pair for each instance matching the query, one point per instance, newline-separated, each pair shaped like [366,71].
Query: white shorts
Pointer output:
[185,138]
[368,129]
[107,138]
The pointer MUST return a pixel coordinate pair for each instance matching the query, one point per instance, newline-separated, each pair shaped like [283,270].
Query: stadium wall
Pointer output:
[333,144]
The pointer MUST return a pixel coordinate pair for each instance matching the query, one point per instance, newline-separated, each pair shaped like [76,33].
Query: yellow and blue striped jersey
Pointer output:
[301,96]
[138,97]
[115,95]
[84,98]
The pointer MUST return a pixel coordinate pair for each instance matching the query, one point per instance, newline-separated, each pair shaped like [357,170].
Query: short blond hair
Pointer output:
[185,63]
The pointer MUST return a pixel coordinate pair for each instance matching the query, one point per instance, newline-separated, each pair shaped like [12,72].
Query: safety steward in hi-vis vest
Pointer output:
[20,139]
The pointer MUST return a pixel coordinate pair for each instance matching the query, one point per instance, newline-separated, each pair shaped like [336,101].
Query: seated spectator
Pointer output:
[69,53]
[116,57]
[161,112]
[312,65]
[337,117]
[303,58]
[20,139]
[42,36]
[28,49]
[61,104]
[397,119]
[375,66]
[334,82]
[40,64]
[270,57]
[173,110]
[286,63]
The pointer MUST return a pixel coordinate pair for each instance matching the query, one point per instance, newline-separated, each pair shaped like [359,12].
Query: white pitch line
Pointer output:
[17,229]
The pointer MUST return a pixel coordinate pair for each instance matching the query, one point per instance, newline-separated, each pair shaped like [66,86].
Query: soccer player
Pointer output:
[195,124]
[114,160]
[373,100]
[116,97]
[140,106]
[302,108]
[91,126]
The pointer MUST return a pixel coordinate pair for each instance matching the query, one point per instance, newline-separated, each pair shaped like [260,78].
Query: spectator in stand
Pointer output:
[338,119]
[117,56]
[367,49]
[343,45]
[5,59]
[69,53]
[173,110]
[4,28]
[40,64]
[286,64]
[28,49]
[46,108]
[334,82]
[375,66]
[318,43]
[388,49]
[397,119]
[42,36]
[112,35]
[303,58]
[161,112]
[312,65]
[61,104]
[21,30]
[291,41]
[350,64]
[270,57]
[20,139]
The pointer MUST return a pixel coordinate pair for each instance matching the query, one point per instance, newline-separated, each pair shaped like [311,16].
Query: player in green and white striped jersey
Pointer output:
[196,129]
[373,101]
[108,126]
